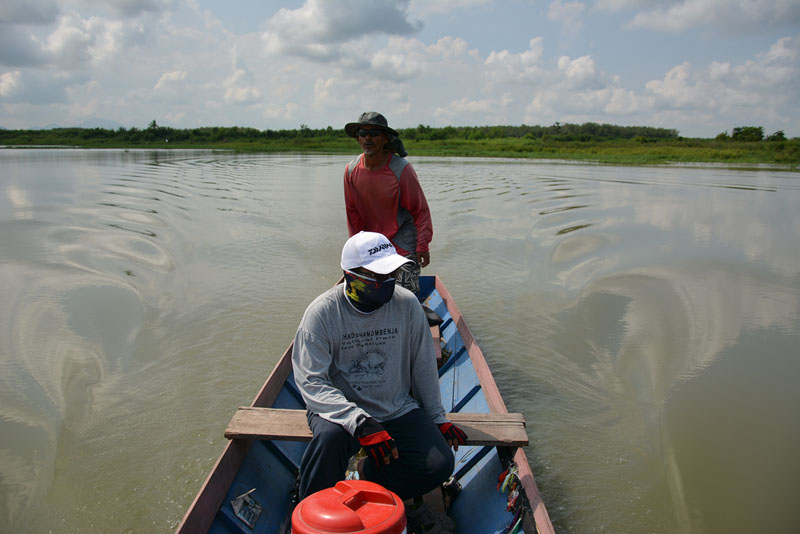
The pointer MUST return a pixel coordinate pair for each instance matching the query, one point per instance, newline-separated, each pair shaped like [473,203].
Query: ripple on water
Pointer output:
[68,331]
[595,292]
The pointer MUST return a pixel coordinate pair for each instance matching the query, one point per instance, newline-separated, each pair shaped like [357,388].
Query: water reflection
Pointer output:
[652,331]
[640,318]
[639,290]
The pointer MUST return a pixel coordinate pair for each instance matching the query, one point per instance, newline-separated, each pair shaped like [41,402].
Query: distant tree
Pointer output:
[496,132]
[423,131]
[777,136]
[723,136]
[449,132]
[305,131]
[477,134]
[748,133]
[153,125]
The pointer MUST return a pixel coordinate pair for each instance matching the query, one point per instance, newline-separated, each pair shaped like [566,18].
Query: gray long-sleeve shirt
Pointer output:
[349,365]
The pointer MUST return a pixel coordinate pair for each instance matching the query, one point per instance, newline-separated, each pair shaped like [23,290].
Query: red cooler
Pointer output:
[350,507]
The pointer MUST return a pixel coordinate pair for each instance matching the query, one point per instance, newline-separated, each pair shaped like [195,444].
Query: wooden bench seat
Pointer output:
[503,429]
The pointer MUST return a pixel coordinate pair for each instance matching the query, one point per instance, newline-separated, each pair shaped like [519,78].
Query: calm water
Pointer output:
[645,320]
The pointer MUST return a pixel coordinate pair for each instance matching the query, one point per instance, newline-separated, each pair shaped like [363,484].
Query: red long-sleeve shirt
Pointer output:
[377,201]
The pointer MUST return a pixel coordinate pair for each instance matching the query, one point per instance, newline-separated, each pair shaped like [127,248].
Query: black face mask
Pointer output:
[367,294]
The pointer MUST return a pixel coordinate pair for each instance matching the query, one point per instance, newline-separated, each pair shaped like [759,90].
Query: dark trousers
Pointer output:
[425,461]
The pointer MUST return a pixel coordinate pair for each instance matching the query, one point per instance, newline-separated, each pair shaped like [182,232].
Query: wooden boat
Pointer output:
[251,486]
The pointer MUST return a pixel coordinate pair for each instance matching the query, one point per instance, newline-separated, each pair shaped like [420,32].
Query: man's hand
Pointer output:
[454,435]
[377,442]
[424,258]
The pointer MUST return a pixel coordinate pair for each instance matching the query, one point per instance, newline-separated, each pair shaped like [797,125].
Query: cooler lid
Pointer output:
[352,506]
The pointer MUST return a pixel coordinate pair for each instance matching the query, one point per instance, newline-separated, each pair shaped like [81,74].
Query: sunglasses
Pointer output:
[370,281]
[371,133]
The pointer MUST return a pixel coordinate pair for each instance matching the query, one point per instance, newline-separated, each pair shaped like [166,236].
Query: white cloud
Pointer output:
[570,14]
[581,72]
[242,95]
[239,89]
[318,63]
[19,48]
[621,102]
[72,43]
[126,8]
[79,112]
[281,111]
[400,60]
[506,67]
[395,66]
[69,43]
[678,15]
[681,88]
[751,92]
[111,38]
[42,88]
[773,76]
[175,118]
[45,12]
[785,50]
[717,96]
[449,48]
[455,110]
[616,5]
[718,71]
[9,82]
[324,93]
[28,12]
[168,78]
[313,30]
[427,8]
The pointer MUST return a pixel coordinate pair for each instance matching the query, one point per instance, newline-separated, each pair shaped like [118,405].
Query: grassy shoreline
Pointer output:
[780,155]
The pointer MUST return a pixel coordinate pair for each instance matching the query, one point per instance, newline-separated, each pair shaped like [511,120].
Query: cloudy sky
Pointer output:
[699,66]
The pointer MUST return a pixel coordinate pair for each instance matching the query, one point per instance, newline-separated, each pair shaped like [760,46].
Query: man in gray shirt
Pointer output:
[364,363]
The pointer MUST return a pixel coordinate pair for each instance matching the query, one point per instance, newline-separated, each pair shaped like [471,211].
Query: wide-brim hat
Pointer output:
[369,118]
[372,251]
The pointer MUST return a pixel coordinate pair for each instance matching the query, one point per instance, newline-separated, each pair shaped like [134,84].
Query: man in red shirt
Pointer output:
[382,194]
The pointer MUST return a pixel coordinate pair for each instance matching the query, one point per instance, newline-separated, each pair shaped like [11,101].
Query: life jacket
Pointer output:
[406,235]
[396,164]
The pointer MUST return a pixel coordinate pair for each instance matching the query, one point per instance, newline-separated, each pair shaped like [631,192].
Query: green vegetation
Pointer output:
[604,143]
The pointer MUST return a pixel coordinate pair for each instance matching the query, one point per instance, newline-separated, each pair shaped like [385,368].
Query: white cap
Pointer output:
[372,251]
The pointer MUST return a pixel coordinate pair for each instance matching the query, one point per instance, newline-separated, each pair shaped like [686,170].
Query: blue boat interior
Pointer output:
[270,469]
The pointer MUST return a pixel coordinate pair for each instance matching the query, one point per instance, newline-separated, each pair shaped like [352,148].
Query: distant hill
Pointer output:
[94,122]
[99,123]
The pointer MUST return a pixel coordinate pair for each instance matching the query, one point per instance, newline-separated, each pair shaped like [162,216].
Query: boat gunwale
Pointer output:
[497,405]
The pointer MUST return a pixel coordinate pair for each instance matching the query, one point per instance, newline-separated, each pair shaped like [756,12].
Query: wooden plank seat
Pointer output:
[492,429]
